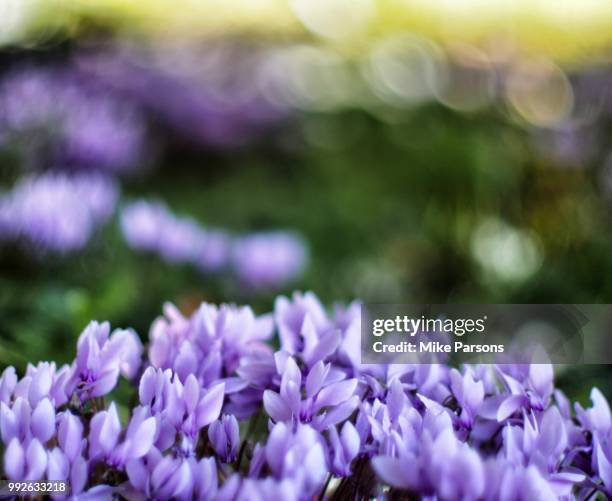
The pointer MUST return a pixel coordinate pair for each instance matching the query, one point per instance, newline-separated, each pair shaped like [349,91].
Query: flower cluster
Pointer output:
[207,102]
[57,212]
[331,427]
[260,261]
[53,113]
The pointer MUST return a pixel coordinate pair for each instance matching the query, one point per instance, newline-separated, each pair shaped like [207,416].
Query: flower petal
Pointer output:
[210,405]
[276,407]
[43,420]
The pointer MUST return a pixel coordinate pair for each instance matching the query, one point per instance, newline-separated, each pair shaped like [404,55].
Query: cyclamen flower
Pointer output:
[237,488]
[27,463]
[329,397]
[25,423]
[26,457]
[260,261]
[8,381]
[210,343]
[184,409]
[224,435]
[105,431]
[343,449]
[40,381]
[597,419]
[306,329]
[101,358]
[166,477]
[543,445]
[268,260]
[295,454]
[150,226]
[426,431]
[76,124]
[602,451]
[469,394]
[208,108]
[533,392]
[431,460]
[55,212]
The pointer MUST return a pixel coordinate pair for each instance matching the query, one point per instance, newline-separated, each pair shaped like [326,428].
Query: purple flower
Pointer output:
[209,344]
[25,423]
[542,443]
[27,431]
[216,251]
[469,394]
[184,409]
[428,431]
[517,483]
[25,463]
[602,452]
[329,397]
[150,226]
[269,260]
[305,328]
[27,99]
[73,123]
[8,381]
[56,212]
[343,448]
[261,261]
[533,392]
[141,224]
[297,455]
[214,107]
[102,133]
[224,435]
[598,418]
[165,477]
[40,381]
[431,460]
[107,443]
[101,358]
[247,489]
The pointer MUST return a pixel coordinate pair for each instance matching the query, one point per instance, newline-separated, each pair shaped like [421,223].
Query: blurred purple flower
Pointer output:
[151,227]
[56,212]
[82,126]
[199,97]
[261,261]
[269,260]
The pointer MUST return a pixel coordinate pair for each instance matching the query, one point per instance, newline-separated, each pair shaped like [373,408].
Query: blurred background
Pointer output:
[401,151]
